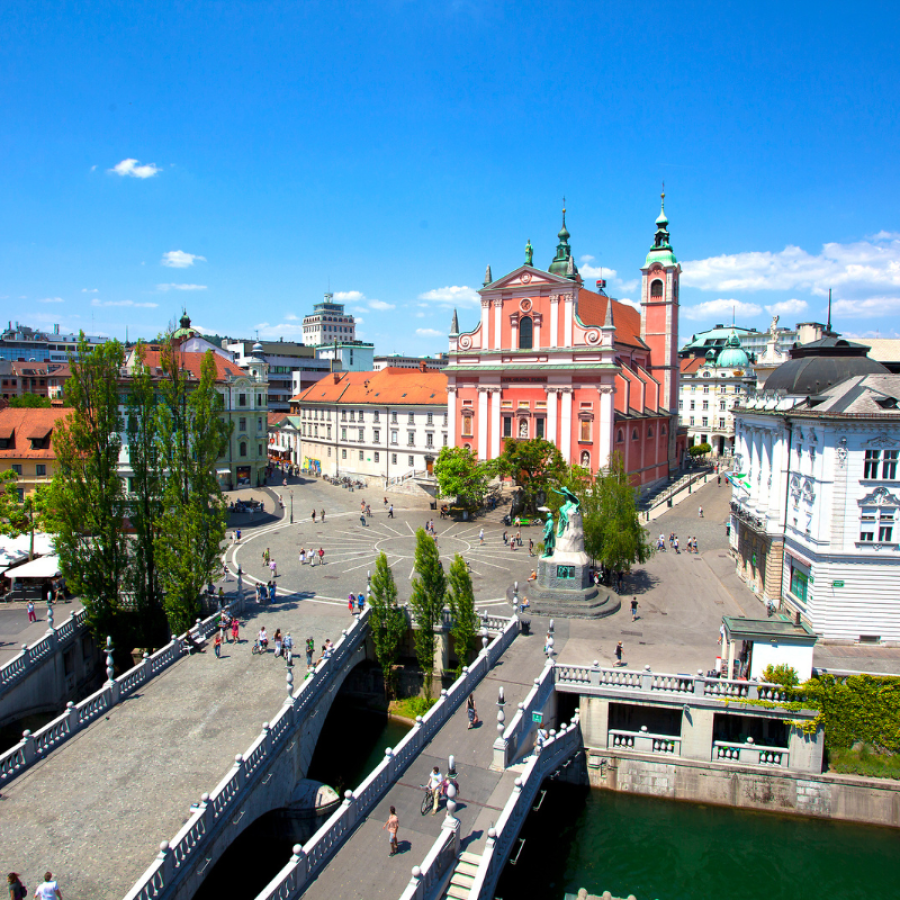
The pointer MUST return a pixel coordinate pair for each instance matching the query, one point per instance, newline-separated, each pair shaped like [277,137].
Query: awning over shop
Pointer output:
[44,567]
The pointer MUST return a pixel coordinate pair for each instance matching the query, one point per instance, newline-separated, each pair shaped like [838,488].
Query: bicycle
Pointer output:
[258,648]
[428,799]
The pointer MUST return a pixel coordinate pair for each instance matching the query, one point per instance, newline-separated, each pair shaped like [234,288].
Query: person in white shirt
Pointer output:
[435,783]
[263,639]
[48,889]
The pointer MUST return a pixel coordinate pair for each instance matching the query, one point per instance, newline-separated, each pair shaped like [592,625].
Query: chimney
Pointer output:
[337,377]
[423,366]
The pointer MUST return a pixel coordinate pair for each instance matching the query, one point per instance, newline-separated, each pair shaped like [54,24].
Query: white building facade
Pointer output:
[815,521]
[328,322]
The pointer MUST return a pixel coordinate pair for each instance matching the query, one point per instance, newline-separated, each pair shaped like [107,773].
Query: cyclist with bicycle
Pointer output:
[263,640]
[436,785]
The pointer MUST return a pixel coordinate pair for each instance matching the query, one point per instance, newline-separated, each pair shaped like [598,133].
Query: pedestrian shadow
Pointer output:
[472,838]
[640,582]
[403,847]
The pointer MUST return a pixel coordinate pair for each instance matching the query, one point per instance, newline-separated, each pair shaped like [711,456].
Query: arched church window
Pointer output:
[634,434]
[586,460]
[526,333]
[620,436]
[650,431]
[656,288]
[467,426]
[523,428]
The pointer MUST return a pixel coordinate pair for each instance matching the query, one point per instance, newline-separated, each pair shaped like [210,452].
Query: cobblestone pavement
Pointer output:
[15,629]
[362,869]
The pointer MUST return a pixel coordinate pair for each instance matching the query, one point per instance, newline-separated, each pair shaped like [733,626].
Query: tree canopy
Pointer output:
[462,607]
[429,591]
[387,621]
[459,474]
[29,401]
[535,465]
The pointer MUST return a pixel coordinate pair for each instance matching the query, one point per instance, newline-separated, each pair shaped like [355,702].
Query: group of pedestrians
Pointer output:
[312,556]
[674,544]
[48,889]
[356,603]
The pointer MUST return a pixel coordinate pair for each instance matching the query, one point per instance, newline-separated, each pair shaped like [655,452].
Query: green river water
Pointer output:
[668,850]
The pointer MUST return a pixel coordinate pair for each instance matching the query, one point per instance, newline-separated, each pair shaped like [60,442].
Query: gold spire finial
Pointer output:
[663,195]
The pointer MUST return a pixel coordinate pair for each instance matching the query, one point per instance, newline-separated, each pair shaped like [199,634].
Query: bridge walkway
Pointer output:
[362,869]
[96,809]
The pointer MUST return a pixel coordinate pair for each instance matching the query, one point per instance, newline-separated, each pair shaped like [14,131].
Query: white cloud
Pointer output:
[133,169]
[380,305]
[178,259]
[359,321]
[89,291]
[611,276]
[872,306]
[713,308]
[788,307]
[430,332]
[451,295]
[634,304]
[420,315]
[290,317]
[52,300]
[348,296]
[181,287]
[885,236]
[855,270]
[96,302]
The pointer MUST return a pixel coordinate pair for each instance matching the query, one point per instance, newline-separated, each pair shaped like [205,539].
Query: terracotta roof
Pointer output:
[592,311]
[40,369]
[276,418]
[20,425]
[689,366]
[193,363]
[387,387]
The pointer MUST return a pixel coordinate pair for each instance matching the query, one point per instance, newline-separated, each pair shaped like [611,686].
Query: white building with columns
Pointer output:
[815,522]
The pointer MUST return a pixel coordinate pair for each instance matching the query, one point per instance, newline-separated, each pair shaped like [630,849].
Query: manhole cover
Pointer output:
[723,556]
[633,633]
[331,577]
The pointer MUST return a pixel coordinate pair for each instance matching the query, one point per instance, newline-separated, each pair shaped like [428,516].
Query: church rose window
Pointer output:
[656,288]
[526,333]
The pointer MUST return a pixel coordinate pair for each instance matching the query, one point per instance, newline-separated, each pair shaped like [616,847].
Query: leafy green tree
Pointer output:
[145,507]
[24,516]
[462,607]
[387,622]
[87,496]
[429,590]
[535,465]
[191,438]
[699,449]
[782,674]
[460,475]
[29,401]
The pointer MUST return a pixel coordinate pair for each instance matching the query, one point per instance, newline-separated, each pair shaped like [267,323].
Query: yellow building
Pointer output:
[26,445]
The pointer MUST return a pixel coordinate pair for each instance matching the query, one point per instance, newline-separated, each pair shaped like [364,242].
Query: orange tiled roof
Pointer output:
[18,426]
[592,311]
[193,363]
[387,387]
[274,418]
[691,365]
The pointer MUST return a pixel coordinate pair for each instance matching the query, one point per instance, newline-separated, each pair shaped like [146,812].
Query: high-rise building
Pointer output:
[24,344]
[328,323]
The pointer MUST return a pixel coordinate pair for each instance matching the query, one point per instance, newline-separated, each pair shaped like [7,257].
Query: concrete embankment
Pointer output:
[852,798]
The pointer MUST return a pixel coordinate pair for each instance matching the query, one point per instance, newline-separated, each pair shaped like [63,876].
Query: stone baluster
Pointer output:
[29,750]
[72,715]
[240,774]
[148,666]
[208,811]
[289,684]
[111,683]
[301,866]
[349,805]
[699,683]
[594,674]
[646,679]
[267,738]
[167,863]
[417,882]
[26,656]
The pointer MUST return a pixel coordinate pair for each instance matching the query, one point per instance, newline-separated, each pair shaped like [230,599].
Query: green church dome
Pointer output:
[733,356]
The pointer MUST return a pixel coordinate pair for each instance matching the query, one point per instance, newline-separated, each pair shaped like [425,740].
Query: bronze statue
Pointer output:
[549,538]
[572,504]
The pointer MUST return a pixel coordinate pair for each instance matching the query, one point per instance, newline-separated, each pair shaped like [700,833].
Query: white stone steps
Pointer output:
[459,879]
[472,858]
[458,893]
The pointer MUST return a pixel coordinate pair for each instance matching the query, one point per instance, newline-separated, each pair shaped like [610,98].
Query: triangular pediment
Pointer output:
[526,277]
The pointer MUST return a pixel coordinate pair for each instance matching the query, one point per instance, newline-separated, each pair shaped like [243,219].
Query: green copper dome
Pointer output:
[563,260]
[733,356]
[661,251]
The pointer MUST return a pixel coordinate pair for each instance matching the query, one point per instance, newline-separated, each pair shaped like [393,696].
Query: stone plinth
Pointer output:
[564,588]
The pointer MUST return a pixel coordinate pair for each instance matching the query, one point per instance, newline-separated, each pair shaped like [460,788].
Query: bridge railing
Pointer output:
[437,863]
[21,665]
[558,749]
[308,860]
[214,809]
[78,716]
[508,747]
[661,684]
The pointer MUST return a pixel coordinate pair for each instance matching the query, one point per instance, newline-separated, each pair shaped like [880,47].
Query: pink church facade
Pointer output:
[552,359]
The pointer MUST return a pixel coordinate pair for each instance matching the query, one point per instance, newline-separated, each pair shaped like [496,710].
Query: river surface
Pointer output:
[669,850]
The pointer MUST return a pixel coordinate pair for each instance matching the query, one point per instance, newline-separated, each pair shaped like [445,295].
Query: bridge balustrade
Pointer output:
[751,754]
[558,750]
[508,747]
[308,860]
[78,716]
[440,859]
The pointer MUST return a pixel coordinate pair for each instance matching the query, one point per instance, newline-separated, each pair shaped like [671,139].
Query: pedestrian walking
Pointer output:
[350,603]
[634,608]
[675,544]
[718,480]
[471,712]
[368,511]
[392,824]
[277,640]
[288,645]
[321,556]
[385,502]
[274,569]
[310,650]
[361,602]
[481,536]
[505,538]
[314,517]
[700,510]
[224,569]
[435,784]
[530,547]
[48,889]
[696,548]
[271,592]
[519,538]
[237,536]
[391,512]
[217,643]
[235,630]
[32,615]
[17,890]
[322,516]
[619,649]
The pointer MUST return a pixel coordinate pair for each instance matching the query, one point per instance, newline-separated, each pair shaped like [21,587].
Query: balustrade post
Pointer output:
[466,673]
[148,666]
[29,750]
[417,882]
[594,675]
[267,738]
[26,656]
[389,754]
[753,690]
[300,861]
[209,814]
[241,774]
[699,683]
[352,810]
[646,679]
[111,684]
[72,715]
[167,860]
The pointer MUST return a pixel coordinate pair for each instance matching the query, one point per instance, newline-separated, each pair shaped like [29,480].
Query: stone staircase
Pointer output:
[463,876]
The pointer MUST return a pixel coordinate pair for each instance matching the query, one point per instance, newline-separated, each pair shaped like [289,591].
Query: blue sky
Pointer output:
[243,158]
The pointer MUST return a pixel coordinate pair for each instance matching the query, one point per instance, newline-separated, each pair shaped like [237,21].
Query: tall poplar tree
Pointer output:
[145,503]
[462,606]
[387,622]
[191,438]
[87,495]
[429,591]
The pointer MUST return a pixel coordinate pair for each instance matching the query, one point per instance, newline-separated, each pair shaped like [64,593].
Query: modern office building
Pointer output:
[398,361]
[327,323]
[24,344]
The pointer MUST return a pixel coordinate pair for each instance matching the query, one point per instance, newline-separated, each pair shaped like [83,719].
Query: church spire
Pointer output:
[488,278]
[564,263]
[661,251]
[454,325]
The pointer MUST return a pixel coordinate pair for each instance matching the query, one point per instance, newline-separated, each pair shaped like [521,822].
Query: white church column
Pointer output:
[498,331]
[485,320]
[552,432]
[554,320]
[482,423]
[569,307]
[565,443]
[495,423]
[537,331]
[451,415]
[606,426]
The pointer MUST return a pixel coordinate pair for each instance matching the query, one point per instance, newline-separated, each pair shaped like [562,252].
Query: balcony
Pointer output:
[756,523]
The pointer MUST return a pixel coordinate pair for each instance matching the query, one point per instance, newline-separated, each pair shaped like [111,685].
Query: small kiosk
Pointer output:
[750,645]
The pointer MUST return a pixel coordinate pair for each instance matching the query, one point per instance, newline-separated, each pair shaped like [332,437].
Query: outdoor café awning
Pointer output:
[43,567]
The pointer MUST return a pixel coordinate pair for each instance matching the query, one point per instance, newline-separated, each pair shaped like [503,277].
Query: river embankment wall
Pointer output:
[873,801]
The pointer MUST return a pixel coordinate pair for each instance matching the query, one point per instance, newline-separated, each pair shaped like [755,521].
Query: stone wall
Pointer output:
[845,797]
